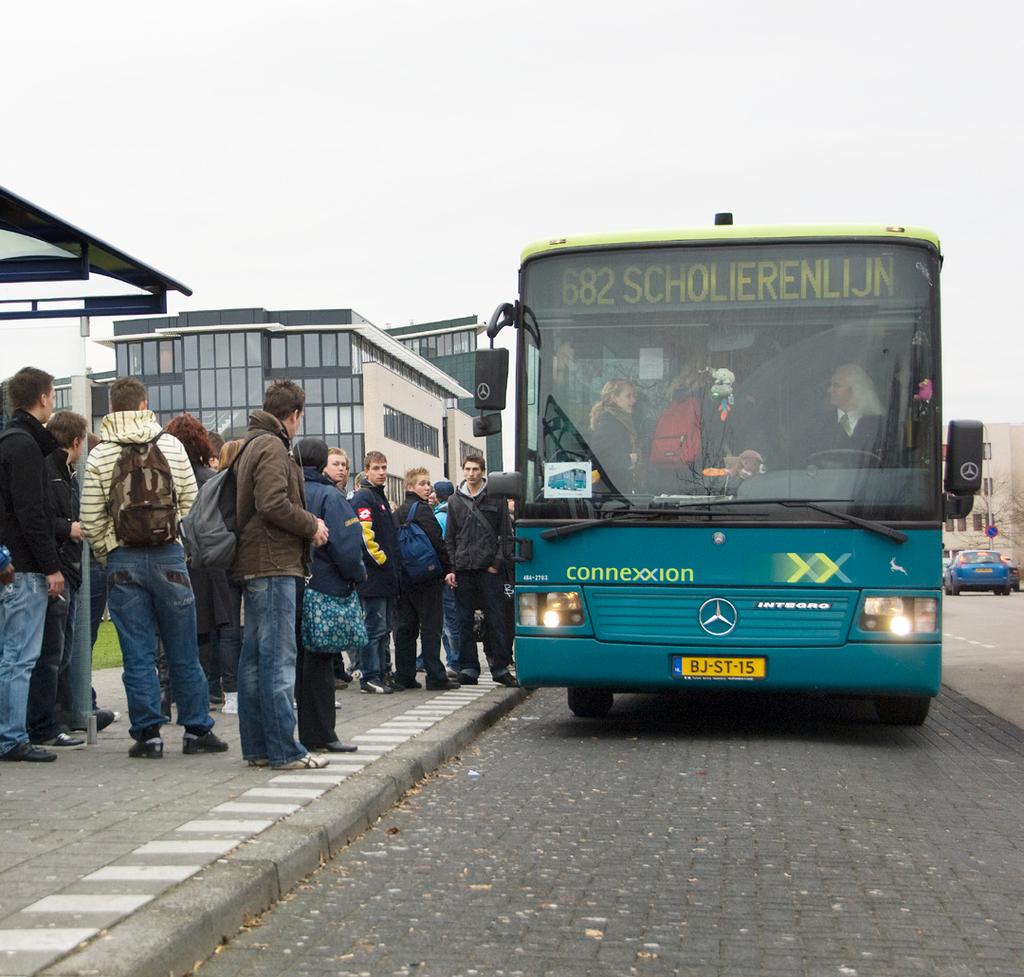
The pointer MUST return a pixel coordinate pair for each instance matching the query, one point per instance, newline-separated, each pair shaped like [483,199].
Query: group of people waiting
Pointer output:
[317,572]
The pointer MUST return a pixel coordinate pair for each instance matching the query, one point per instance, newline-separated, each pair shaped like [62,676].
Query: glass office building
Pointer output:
[364,389]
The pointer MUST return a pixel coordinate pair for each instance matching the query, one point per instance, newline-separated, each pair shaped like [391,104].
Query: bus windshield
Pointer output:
[677,377]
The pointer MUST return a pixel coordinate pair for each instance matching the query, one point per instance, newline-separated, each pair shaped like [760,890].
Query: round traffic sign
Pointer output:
[991,532]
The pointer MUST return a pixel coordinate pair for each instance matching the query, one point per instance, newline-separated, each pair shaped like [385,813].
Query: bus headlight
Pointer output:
[556,609]
[900,615]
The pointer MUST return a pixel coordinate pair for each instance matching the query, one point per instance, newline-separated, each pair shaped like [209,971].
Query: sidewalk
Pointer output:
[181,852]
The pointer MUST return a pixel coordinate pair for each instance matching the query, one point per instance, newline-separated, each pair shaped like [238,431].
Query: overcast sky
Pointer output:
[394,158]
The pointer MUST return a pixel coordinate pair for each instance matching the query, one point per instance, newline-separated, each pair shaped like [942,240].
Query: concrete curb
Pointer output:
[184,925]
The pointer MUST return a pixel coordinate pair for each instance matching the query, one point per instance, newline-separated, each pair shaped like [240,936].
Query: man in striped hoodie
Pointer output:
[150,595]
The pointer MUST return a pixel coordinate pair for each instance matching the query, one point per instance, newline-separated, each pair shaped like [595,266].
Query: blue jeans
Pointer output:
[450,632]
[22,616]
[381,618]
[150,597]
[266,672]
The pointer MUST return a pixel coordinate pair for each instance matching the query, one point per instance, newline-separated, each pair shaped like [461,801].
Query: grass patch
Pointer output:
[106,653]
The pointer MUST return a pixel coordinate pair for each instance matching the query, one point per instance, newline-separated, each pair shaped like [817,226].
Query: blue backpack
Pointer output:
[419,559]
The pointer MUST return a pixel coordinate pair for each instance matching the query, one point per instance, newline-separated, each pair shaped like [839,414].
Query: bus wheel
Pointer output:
[590,703]
[903,710]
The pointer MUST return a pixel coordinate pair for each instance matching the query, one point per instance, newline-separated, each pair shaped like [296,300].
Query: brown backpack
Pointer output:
[142,501]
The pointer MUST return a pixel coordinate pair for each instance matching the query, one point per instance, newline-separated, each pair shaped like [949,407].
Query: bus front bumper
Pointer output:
[863,668]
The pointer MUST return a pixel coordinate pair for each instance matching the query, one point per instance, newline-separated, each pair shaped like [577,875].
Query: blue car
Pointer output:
[977,570]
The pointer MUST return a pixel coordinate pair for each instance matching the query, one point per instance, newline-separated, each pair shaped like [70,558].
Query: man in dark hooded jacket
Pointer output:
[477,526]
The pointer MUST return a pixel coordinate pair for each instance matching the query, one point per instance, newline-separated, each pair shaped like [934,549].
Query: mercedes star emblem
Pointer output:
[717,616]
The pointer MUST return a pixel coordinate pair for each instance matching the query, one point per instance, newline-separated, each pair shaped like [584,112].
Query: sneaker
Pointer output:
[209,742]
[466,679]
[345,677]
[452,674]
[308,762]
[29,753]
[340,683]
[64,742]
[507,679]
[104,717]
[261,761]
[375,688]
[151,749]
[230,704]
[399,686]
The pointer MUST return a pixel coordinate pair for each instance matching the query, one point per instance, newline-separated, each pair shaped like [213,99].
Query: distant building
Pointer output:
[1001,500]
[451,345]
[364,389]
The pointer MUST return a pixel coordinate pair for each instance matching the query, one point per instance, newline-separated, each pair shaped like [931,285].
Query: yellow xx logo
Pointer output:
[813,567]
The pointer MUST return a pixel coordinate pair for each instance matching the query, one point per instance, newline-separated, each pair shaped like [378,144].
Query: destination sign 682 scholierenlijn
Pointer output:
[763,280]
[703,277]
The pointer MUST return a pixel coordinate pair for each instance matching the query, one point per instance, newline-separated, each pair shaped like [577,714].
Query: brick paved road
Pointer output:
[727,836]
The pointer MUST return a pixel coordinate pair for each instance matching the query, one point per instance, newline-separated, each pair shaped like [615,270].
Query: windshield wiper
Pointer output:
[816,504]
[577,527]
[869,524]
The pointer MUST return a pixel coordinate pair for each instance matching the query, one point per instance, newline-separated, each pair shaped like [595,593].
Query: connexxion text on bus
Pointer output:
[728,451]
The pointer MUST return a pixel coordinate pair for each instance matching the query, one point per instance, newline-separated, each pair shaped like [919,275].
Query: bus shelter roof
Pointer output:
[36,246]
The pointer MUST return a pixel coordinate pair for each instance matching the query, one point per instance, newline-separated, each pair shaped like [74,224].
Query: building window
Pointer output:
[987,451]
[465,449]
[986,486]
[961,525]
[166,357]
[206,359]
[254,348]
[311,342]
[950,526]
[410,431]
[149,358]
[395,489]
[979,521]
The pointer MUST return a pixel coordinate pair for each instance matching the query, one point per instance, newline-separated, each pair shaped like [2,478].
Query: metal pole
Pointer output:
[80,667]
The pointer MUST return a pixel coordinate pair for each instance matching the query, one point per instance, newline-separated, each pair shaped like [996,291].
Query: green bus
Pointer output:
[730,463]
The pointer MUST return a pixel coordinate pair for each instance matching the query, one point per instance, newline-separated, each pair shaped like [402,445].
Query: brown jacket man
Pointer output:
[275,533]
[271,505]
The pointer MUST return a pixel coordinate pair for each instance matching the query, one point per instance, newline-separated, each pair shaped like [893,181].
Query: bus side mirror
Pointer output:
[964,451]
[486,424]
[509,484]
[491,379]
